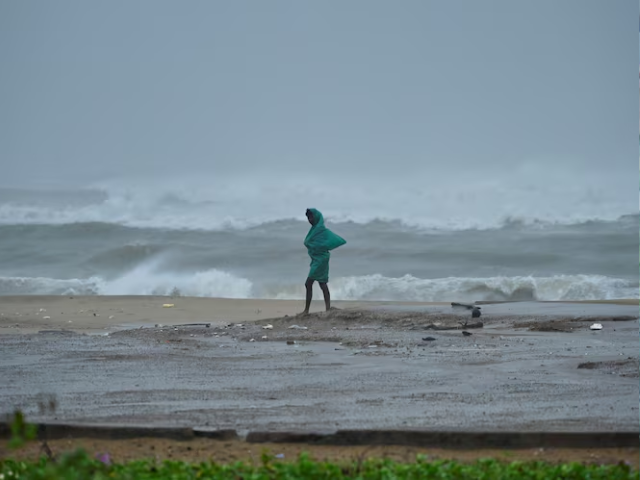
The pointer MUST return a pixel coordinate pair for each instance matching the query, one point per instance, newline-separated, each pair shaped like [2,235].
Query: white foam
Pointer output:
[147,280]
[410,288]
[140,281]
[49,286]
[420,200]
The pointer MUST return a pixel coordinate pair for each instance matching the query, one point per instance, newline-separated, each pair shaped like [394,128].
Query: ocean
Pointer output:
[426,239]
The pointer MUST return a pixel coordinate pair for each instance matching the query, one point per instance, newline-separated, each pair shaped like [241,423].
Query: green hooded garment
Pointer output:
[319,241]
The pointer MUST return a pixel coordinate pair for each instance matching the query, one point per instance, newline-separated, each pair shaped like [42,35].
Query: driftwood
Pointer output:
[475,310]
[192,325]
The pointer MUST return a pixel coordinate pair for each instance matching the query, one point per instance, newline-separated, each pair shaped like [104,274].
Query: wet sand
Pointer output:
[383,365]
[100,314]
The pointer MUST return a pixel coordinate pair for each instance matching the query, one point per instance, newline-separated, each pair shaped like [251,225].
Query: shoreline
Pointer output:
[102,314]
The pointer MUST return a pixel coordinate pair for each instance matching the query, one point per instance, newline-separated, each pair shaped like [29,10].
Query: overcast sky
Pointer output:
[92,89]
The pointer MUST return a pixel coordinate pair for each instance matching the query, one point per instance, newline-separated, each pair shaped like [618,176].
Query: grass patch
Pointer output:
[80,465]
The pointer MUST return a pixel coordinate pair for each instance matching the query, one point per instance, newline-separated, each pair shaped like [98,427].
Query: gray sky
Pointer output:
[92,89]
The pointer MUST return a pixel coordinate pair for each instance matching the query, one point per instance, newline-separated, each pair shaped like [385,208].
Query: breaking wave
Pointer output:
[217,283]
[443,203]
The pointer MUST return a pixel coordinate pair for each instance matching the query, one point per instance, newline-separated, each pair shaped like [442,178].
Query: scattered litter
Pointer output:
[596,326]
[290,342]
[428,339]
[466,334]
[168,305]
[373,346]
[297,327]
[192,335]
[280,455]
[264,337]
[42,310]
[46,317]
[159,325]
[268,327]
[110,317]
[252,340]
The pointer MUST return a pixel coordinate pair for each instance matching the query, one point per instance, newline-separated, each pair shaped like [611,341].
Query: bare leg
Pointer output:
[327,296]
[309,286]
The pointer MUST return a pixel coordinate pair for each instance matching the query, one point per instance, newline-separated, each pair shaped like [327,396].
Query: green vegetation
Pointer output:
[80,465]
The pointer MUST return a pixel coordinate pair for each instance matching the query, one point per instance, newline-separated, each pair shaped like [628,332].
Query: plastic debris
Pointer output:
[268,327]
[168,305]
[297,327]
[264,337]
[46,317]
[280,455]
[596,326]
[252,340]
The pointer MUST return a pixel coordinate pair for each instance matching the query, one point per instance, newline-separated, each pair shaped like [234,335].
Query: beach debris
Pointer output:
[466,334]
[208,325]
[297,327]
[168,305]
[264,337]
[268,327]
[475,310]
[110,317]
[42,310]
[428,339]
[596,326]
[290,342]
[252,340]
[373,346]
[436,326]
[46,317]
[159,325]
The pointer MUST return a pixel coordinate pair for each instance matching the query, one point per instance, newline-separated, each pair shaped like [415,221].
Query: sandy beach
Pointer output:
[102,314]
[252,365]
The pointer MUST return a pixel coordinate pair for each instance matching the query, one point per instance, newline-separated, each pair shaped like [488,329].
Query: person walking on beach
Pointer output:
[319,241]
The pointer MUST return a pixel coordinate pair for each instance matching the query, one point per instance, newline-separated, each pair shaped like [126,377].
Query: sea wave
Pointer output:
[203,221]
[442,203]
[217,283]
